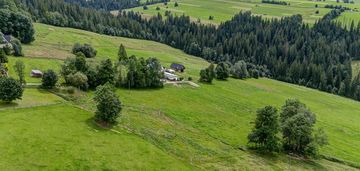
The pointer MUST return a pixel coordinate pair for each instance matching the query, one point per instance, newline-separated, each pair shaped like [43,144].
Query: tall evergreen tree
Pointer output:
[122,55]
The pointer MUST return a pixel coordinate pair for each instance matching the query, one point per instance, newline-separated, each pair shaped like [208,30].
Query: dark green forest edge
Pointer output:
[286,49]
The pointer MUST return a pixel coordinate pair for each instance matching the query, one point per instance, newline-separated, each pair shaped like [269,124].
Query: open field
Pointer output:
[34,63]
[63,137]
[347,17]
[223,10]
[31,98]
[175,128]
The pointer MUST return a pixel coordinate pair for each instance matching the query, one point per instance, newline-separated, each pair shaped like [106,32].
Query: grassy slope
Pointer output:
[204,126]
[223,10]
[33,97]
[62,137]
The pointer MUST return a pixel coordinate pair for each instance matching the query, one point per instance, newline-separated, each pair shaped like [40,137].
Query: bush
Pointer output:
[239,70]
[157,8]
[3,57]
[70,90]
[78,80]
[208,74]
[176,4]
[190,79]
[49,79]
[222,71]
[145,7]
[10,89]
[86,49]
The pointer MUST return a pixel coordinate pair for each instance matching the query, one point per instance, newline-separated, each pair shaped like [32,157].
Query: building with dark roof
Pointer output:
[177,67]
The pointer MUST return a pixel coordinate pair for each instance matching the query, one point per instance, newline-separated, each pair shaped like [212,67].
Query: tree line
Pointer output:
[274,2]
[111,5]
[126,72]
[317,57]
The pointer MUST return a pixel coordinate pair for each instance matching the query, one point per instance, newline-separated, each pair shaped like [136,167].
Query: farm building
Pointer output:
[177,67]
[171,77]
[36,73]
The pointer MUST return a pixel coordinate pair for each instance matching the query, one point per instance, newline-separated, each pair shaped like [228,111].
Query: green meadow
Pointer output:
[223,10]
[178,127]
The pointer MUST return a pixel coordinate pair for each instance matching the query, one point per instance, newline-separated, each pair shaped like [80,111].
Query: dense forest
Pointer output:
[14,21]
[109,5]
[317,57]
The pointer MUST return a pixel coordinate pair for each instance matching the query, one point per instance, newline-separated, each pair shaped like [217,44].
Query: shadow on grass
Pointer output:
[99,126]
[293,161]
[8,104]
[141,89]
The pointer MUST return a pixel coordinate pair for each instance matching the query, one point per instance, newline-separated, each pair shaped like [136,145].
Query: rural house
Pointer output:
[177,67]
[36,73]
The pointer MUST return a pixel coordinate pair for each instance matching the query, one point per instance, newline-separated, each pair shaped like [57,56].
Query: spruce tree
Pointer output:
[122,55]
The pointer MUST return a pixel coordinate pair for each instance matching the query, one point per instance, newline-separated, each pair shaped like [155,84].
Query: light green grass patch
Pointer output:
[33,64]
[32,97]
[62,137]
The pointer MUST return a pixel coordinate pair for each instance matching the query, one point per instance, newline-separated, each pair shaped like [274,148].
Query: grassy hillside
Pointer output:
[224,9]
[62,137]
[176,128]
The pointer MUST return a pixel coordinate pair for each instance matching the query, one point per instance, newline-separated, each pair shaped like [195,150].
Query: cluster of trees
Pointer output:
[296,124]
[15,22]
[111,5]
[132,72]
[275,2]
[339,7]
[78,73]
[128,72]
[239,70]
[318,56]
[142,73]
[87,50]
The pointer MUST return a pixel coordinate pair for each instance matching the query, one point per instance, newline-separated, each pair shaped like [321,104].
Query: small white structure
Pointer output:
[36,73]
[170,76]
[170,71]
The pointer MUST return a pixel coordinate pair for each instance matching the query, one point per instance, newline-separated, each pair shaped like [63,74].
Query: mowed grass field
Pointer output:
[174,128]
[223,10]
[63,137]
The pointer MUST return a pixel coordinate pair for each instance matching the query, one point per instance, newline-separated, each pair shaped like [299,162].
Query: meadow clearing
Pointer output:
[223,10]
